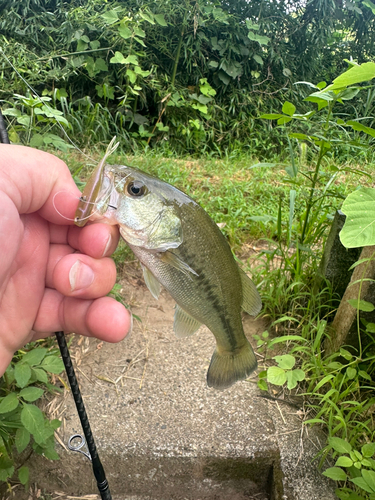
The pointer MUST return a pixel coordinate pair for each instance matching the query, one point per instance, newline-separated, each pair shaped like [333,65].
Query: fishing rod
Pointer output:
[88,438]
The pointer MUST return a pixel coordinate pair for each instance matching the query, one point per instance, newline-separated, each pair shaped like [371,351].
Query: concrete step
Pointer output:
[163,434]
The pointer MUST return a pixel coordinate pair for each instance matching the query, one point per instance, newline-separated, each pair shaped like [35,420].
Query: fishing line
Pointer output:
[79,199]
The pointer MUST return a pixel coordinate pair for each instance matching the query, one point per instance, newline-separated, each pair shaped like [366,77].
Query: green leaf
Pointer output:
[359,481]
[369,477]
[24,120]
[139,40]
[368,450]
[348,94]
[276,375]
[131,60]
[351,373]
[335,473]
[359,227]
[286,361]
[117,58]
[53,364]
[35,356]
[361,128]
[147,17]
[370,5]
[262,384]
[301,137]
[362,305]
[81,46]
[262,40]
[159,18]
[288,108]
[55,423]
[224,77]
[132,76]
[51,453]
[22,439]
[31,393]
[258,59]
[343,462]
[139,32]
[293,377]
[283,120]
[271,116]
[11,112]
[9,403]
[364,374]
[335,365]
[100,65]
[345,354]
[356,74]
[23,475]
[124,32]
[110,17]
[367,463]
[95,44]
[33,420]
[40,375]
[22,374]
[232,68]
[36,141]
[5,473]
[340,445]
[355,455]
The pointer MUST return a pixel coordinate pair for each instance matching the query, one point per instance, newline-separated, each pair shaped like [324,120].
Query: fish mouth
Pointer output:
[99,199]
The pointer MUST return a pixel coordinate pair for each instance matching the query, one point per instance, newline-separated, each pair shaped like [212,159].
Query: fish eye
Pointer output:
[136,188]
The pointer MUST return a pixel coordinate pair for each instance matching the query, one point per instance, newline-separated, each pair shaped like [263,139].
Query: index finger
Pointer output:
[38,181]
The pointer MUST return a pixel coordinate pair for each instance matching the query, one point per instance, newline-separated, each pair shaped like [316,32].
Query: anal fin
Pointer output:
[184,325]
[251,301]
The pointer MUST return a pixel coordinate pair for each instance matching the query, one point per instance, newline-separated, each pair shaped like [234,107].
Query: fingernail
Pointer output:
[108,244]
[80,276]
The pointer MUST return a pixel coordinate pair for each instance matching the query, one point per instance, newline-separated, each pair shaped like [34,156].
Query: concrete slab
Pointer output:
[163,434]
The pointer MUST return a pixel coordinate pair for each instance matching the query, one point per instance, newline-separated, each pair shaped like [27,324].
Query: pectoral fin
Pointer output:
[175,261]
[184,325]
[152,283]
[251,301]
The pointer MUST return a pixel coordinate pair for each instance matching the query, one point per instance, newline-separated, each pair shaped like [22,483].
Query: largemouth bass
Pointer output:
[181,248]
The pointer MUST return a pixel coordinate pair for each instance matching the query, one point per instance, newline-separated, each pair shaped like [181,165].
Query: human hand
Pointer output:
[53,275]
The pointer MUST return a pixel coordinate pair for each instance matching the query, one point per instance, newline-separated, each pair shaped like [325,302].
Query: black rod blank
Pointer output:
[97,466]
[4,139]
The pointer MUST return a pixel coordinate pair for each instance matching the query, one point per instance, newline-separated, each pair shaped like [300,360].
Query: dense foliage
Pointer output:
[187,76]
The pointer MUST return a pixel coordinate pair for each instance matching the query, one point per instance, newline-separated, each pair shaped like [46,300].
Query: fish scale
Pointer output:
[182,249]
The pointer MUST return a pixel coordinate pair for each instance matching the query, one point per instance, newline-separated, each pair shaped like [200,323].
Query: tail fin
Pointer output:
[227,368]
